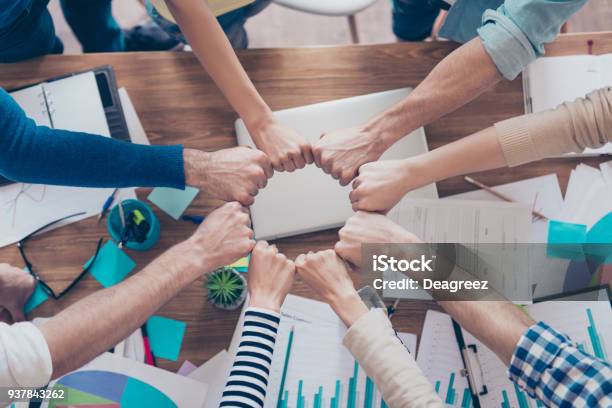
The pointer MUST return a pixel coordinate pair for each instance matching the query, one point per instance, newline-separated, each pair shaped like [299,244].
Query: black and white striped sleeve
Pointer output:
[248,378]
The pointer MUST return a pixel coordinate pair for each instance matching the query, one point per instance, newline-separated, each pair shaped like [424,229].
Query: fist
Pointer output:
[326,274]
[381,185]
[340,153]
[234,174]
[16,287]
[270,277]
[287,149]
[369,228]
[224,236]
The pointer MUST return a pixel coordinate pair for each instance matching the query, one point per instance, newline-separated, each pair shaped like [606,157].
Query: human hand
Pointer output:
[328,276]
[234,174]
[16,287]
[270,277]
[381,185]
[340,153]
[369,228]
[223,237]
[286,149]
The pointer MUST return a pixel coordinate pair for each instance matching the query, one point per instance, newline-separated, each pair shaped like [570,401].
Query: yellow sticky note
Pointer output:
[241,263]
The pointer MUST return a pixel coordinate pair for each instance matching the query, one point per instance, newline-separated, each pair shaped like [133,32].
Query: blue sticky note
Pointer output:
[111,266]
[172,201]
[39,296]
[565,240]
[166,336]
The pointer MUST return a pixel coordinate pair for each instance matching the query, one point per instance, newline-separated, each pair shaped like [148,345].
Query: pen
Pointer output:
[500,195]
[107,204]
[149,356]
[196,219]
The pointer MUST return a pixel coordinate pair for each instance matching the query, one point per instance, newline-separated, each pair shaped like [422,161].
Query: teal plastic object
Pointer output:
[114,224]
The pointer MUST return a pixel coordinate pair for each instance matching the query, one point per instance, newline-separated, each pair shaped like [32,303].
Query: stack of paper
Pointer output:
[542,194]
[214,373]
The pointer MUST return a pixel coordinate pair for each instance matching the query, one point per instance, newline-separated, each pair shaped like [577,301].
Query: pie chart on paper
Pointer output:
[106,389]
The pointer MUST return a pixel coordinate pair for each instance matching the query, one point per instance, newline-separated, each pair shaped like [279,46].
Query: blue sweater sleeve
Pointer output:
[38,154]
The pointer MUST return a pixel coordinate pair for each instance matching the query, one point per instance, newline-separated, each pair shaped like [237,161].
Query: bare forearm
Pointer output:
[456,80]
[215,53]
[480,151]
[498,324]
[110,315]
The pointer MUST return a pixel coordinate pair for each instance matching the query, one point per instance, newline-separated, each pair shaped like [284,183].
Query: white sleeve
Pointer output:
[372,340]
[25,360]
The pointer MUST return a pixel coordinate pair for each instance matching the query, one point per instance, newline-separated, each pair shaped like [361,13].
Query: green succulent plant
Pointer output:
[226,288]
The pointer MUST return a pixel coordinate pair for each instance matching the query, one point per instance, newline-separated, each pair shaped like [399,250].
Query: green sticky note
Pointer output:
[38,297]
[172,201]
[166,336]
[565,240]
[111,266]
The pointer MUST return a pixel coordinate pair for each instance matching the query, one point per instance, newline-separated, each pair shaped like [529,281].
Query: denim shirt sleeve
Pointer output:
[514,35]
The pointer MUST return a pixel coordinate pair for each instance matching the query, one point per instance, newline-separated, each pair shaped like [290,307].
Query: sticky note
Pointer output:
[241,265]
[172,201]
[565,240]
[112,265]
[39,296]
[166,336]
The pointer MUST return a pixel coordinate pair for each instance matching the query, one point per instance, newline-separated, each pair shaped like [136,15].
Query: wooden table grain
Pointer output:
[178,103]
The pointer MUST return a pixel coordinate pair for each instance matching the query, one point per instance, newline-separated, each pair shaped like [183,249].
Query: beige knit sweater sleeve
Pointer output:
[571,127]
[385,360]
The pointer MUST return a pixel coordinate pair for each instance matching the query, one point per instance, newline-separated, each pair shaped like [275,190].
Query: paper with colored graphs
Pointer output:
[320,368]
[127,383]
[588,323]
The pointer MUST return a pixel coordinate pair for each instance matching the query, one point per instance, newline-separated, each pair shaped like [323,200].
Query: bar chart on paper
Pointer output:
[440,359]
[320,372]
[587,323]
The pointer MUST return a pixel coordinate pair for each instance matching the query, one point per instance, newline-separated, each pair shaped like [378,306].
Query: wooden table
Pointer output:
[178,103]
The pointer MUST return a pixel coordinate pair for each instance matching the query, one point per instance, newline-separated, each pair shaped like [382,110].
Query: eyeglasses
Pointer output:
[48,290]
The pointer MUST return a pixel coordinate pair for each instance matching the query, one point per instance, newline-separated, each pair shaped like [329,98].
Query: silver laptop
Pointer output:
[309,200]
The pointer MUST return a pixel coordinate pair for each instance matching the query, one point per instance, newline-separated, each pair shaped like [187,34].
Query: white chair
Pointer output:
[336,8]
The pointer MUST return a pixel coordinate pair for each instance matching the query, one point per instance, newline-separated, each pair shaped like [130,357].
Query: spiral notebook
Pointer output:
[81,102]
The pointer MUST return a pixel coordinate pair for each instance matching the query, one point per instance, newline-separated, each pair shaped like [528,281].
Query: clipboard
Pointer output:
[472,368]
[109,95]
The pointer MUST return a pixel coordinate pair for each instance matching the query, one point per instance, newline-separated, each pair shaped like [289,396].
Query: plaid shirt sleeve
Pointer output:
[549,367]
